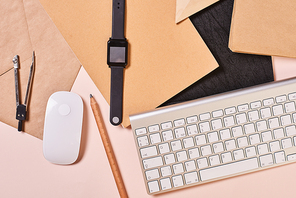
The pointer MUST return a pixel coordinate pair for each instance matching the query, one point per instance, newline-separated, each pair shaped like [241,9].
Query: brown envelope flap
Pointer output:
[56,69]
[264,27]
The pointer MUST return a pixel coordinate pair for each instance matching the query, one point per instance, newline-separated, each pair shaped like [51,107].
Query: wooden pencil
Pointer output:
[108,147]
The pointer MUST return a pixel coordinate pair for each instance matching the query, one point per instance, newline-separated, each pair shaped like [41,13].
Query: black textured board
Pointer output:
[235,70]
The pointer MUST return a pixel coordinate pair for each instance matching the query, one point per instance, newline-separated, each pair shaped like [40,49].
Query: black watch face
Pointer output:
[117,52]
[117,55]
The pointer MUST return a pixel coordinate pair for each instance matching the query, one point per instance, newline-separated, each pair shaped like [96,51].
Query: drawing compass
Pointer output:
[21,109]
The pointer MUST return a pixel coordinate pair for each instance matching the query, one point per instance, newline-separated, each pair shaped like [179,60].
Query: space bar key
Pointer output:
[229,169]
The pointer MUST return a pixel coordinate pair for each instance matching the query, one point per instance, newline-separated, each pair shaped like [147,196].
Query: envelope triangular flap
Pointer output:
[186,8]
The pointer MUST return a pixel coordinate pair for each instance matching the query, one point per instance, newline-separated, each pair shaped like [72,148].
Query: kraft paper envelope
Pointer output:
[266,27]
[164,58]
[186,8]
[25,27]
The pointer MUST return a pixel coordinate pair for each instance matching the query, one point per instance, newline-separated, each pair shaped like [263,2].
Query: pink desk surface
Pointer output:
[25,173]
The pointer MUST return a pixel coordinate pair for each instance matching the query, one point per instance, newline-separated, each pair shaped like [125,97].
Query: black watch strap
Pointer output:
[116,95]
[117,60]
[118,16]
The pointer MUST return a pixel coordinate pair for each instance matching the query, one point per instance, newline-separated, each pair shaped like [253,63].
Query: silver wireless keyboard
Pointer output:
[217,137]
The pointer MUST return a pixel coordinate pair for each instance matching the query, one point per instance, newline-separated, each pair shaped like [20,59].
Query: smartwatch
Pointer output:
[117,47]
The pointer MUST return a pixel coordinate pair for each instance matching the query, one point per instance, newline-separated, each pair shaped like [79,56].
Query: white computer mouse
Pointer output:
[62,127]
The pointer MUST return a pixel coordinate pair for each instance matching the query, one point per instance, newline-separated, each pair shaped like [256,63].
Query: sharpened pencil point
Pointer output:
[90,95]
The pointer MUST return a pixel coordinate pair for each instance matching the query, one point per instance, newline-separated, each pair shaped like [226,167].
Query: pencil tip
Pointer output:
[90,95]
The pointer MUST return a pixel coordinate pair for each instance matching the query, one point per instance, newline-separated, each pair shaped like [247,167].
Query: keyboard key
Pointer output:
[262,149]
[166,125]
[291,157]
[286,143]
[200,139]
[178,168]
[204,127]
[217,113]
[206,150]
[153,186]
[253,116]
[242,142]
[193,153]
[148,152]
[152,162]
[266,136]
[218,147]
[268,102]
[254,139]
[202,163]
[191,119]
[213,136]
[290,130]
[153,128]
[281,99]
[216,124]
[255,105]
[230,144]
[181,156]
[164,148]
[274,146]
[169,158]
[229,121]
[241,118]
[230,110]
[277,110]
[226,157]
[273,123]
[265,113]
[266,160]
[143,141]
[166,171]
[177,180]
[214,160]
[261,125]
[192,129]
[167,135]
[188,142]
[155,138]
[249,128]
[238,154]
[225,134]
[141,131]
[204,116]
[237,131]
[176,145]
[286,120]
[250,151]
[290,107]
[278,133]
[292,96]
[279,157]
[190,165]
[180,132]
[179,122]
[243,107]
[152,174]
[191,177]
[165,183]
[229,169]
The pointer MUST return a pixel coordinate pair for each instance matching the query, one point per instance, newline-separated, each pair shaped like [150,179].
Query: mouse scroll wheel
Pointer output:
[64,109]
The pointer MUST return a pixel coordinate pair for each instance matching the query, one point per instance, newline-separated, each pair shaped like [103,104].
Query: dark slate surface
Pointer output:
[235,70]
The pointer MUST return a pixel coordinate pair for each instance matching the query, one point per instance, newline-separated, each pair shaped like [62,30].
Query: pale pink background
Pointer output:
[24,172]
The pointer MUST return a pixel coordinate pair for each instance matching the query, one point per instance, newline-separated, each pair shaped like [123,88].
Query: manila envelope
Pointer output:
[265,27]
[24,27]
[186,8]
[164,58]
